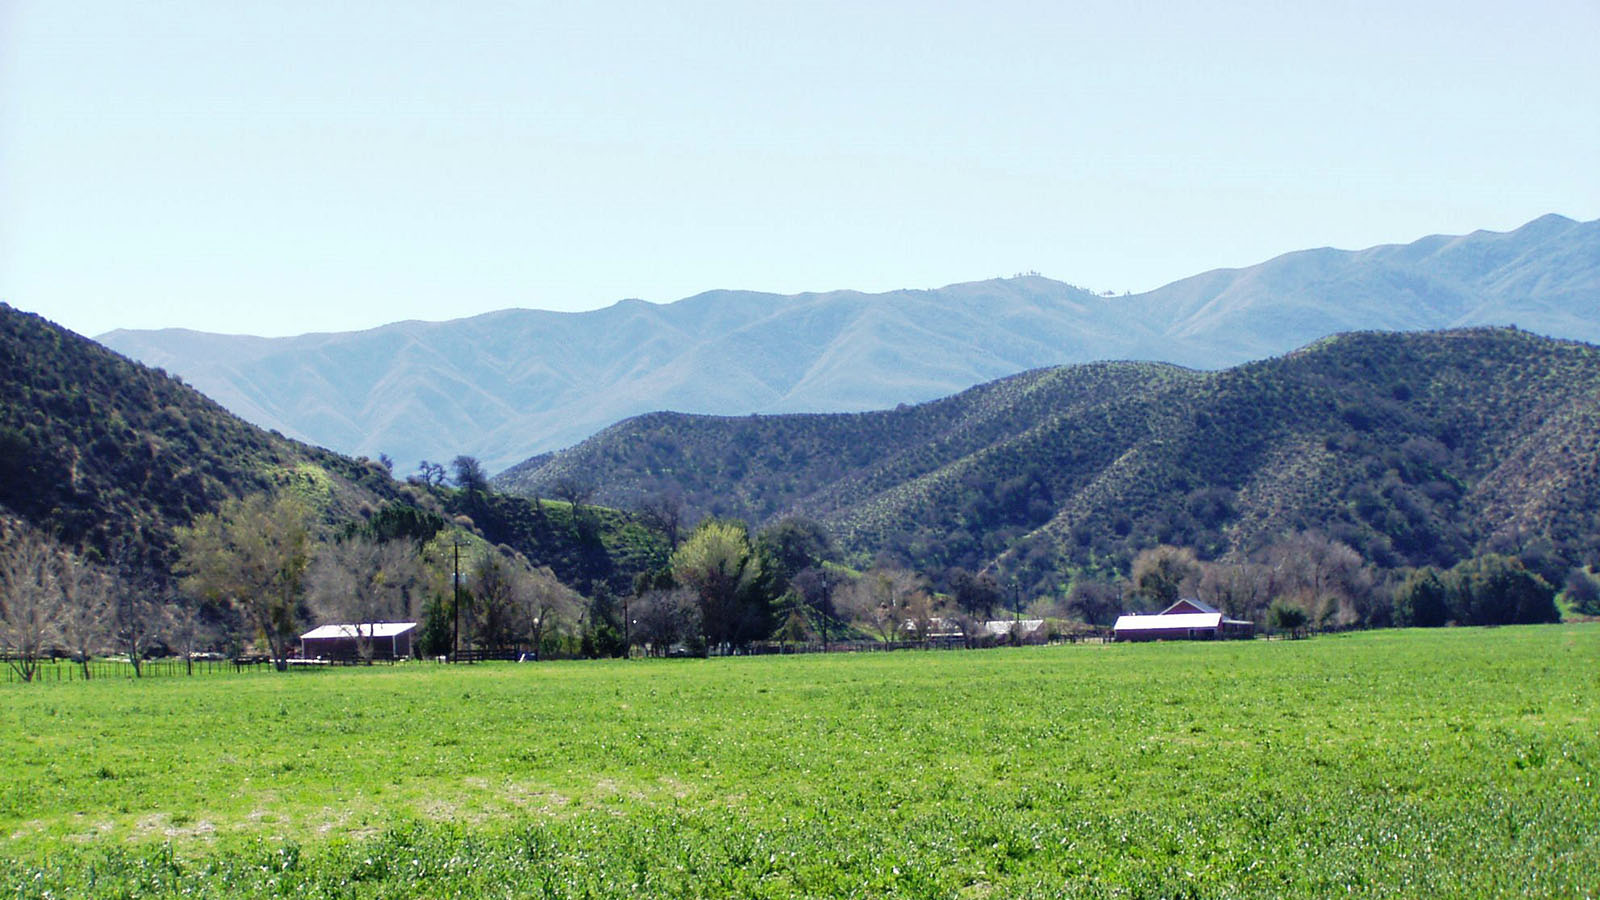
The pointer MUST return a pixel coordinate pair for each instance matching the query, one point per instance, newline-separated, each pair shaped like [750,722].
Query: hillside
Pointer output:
[509,384]
[109,456]
[1413,448]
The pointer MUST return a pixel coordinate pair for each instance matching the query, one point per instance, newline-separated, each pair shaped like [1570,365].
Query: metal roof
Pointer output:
[368,629]
[1005,626]
[1191,601]
[1170,620]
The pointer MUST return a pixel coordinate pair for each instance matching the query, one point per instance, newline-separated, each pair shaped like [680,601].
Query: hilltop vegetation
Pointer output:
[108,456]
[1412,449]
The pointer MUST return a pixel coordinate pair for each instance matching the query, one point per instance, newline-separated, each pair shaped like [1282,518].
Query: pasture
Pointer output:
[1450,763]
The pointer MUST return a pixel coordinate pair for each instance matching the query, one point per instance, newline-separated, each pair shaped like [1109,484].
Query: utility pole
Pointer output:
[455,629]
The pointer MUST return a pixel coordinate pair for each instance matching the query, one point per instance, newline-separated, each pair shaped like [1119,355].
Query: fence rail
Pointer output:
[69,670]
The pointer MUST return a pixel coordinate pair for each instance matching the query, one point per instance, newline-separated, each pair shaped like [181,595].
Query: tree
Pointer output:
[1160,574]
[976,595]
[136,613]
[1583,591]
[795,628]
[717,563]
[790,546]
[664,617]
[663,512]
[543,603]
[251,554]
[1327,576]
[30,599]
[469,475]
[1499,590]
[574,491]
[1240,589]
[880,600]
[85,610]
[923,614]
[187,628]
[1285,616]
[814,587]
[361,582]
[1094,602]
[1422,600]
[431,474]
[498,581]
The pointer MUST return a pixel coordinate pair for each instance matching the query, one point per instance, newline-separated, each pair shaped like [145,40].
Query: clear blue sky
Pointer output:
[281,167]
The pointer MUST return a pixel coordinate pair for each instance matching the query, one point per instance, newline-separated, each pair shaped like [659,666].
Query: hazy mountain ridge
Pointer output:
[505,385]
[1419,448]
[109,456]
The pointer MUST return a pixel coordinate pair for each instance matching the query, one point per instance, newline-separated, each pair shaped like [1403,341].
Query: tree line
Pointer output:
[261,568]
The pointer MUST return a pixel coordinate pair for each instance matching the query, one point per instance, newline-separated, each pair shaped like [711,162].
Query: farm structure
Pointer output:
[390,640]
[1185,620]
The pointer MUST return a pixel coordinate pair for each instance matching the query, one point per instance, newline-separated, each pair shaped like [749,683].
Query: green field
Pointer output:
[1456,763]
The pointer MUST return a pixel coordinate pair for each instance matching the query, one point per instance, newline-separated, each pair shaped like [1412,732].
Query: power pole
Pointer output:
[455,629]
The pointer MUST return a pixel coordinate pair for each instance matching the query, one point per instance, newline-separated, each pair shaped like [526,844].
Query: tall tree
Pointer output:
[470,475]
[137,610]
[1094,602]
[30,599]
[1161,574]
[86,605]
[499,580]
[544,606]
[663,512]
[663,618]
[252,554]
[1422,600]
[717,563]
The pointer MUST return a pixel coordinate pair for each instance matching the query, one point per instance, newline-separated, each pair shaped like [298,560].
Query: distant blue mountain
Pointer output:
[510,384]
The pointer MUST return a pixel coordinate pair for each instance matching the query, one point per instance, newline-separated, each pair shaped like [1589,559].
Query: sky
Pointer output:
[286,167]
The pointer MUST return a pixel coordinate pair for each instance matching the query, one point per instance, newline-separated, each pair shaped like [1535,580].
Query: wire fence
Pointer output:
[71,670]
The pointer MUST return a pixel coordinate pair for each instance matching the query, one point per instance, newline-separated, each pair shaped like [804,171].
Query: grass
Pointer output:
[1404,763]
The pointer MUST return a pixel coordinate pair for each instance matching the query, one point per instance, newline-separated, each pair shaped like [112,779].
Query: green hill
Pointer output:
[1415,448]
[109,456]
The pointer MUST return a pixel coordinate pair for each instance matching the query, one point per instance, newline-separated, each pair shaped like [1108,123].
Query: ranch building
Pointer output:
[1186,620]
[390,640]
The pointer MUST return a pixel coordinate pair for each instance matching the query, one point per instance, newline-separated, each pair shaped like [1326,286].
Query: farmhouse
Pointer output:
[390,640]
[1186,620]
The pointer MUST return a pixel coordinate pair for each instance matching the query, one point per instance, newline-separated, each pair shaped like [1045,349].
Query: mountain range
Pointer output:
[109,457]
[1412,448]
[511,384]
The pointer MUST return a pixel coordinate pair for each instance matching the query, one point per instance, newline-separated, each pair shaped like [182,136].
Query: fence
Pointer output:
[68,670]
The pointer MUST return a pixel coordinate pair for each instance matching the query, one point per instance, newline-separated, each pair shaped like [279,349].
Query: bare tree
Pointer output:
[86,607]
[187,629]
[135,619]
[544,603]
[1240,589]
[663,512]
[879,599]
[1328,579]
[30,599]
[575,491]
[663,618]
[361,582]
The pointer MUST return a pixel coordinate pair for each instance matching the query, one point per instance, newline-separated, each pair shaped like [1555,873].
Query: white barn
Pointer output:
[1186,620]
